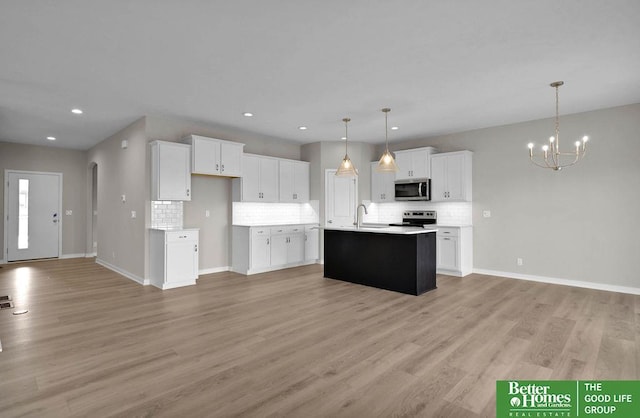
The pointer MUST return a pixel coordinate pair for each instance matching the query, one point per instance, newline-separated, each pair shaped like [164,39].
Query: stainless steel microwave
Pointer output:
[413,189]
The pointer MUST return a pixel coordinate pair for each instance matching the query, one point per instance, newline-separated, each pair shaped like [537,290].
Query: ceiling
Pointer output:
[442,66]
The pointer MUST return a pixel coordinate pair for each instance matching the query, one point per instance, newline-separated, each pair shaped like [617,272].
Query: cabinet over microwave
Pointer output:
[413,189]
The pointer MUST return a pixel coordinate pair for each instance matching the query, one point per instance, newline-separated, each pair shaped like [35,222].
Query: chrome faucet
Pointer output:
[358,222]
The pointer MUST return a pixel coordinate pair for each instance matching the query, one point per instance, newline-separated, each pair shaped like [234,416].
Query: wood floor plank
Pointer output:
[292,343]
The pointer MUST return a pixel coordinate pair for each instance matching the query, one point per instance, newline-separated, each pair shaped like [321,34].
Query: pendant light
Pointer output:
[386,164]
[551,156]
[346,168]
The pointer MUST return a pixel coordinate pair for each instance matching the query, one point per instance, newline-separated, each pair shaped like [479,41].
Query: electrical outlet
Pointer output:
[207,213]
[68,212]
[519,261]
[486,213]
[133,214]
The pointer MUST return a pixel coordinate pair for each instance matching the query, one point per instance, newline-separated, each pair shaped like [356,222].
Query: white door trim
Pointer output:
[6,207]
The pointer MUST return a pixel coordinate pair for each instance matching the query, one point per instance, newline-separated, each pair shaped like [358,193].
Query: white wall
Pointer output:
[581,223]
[122,240]
[72,165]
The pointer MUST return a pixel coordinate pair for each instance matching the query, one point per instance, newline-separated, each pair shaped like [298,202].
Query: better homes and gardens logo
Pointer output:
[568,398]
[516,398]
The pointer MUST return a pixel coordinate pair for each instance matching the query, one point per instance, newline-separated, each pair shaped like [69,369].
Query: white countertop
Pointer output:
[270,225]
[173,228]
[399,230]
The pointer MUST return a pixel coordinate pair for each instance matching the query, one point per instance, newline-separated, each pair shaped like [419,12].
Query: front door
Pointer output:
[32,206]
[340,198]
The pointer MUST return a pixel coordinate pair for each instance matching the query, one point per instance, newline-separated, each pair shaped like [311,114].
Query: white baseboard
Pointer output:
[565,282]
[79,255]
[214,270]
[3,262]
[125,273]
[89,255]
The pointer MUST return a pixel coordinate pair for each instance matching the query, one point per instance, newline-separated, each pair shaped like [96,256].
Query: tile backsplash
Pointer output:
[449,213]
[254,213]
[166,214]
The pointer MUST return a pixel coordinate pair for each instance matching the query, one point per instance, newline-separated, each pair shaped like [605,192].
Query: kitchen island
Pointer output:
[402,259]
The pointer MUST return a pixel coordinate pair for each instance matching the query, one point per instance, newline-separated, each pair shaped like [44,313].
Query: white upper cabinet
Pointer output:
[382,185]
[215,156]
[451,175]
[170,171]
[294,181]
[414,163]
[259,181]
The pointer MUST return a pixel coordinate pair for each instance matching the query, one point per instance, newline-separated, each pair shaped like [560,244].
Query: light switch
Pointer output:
[207,213]
[133,214]
[124,198]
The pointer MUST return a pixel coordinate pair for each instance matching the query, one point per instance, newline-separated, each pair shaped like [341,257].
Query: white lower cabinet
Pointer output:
[454,250]
[257,249]
[174,258]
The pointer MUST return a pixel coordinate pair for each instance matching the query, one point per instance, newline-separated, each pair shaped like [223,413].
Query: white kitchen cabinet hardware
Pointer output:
[382,185]
[216,157]
[451,176]
[414,163]
[173,258]
[170,171]
[293,181]
[260,249]
[454,250]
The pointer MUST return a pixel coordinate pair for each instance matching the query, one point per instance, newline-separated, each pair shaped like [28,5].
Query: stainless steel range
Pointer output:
[418,218]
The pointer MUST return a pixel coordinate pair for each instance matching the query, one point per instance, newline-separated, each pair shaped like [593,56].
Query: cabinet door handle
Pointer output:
[196,248]
[267,241]
[305,237]
[217,167]
[222,167]
[187,192]
[447,239]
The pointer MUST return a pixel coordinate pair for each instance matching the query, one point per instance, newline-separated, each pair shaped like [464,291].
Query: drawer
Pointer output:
[279,230]
[295,229]
[287,229]
[260,232]
[448,232]
[179,236]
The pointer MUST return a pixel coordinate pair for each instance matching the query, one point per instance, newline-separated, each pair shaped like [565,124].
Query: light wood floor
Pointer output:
[291,343]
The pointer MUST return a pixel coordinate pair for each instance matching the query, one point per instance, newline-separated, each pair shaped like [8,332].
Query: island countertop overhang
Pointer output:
[398,230]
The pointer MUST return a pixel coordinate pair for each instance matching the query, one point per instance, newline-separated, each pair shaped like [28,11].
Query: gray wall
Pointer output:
[580,223]
[72,165]
[328,155]
[214,193]
[122,241]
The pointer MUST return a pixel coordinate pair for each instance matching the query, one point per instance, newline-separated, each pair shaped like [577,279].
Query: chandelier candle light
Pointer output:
[551,155]
[346,168]
[386,164]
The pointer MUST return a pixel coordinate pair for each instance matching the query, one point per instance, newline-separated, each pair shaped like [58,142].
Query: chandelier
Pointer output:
[551,156]
[386,163]
[346,168]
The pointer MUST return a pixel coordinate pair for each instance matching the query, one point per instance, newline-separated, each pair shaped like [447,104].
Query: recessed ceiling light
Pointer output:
[394,128]
[77,111]
[302,128]
[247,114]
[51,138]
